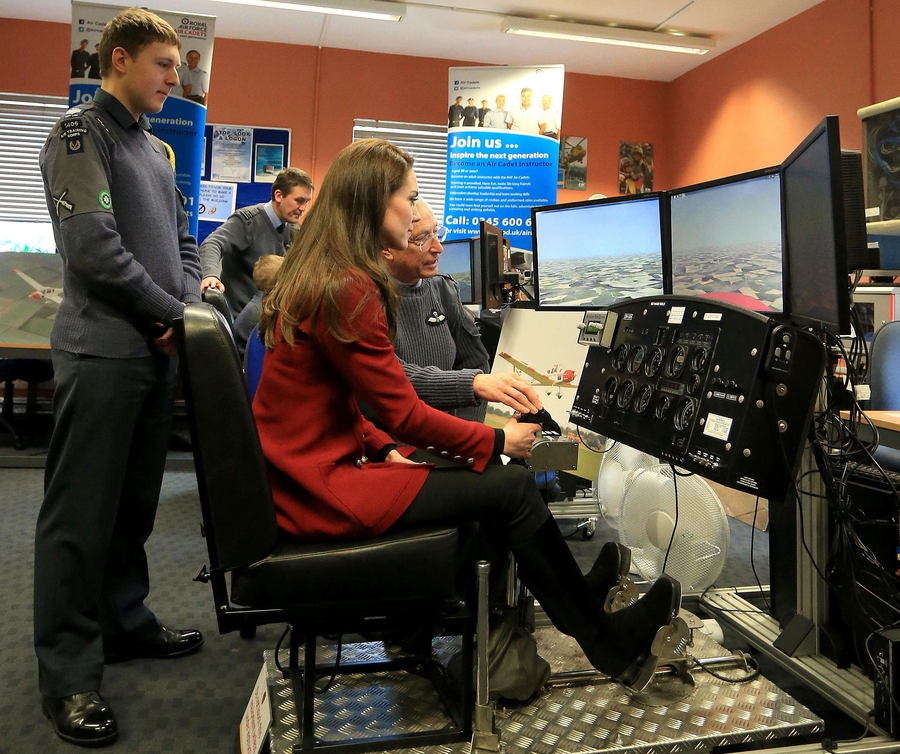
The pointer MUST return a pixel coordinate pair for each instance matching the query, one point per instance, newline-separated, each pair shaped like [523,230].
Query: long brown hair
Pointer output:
[340,236]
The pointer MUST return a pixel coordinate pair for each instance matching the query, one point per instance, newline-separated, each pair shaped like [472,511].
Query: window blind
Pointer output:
[426,143]
[25,123]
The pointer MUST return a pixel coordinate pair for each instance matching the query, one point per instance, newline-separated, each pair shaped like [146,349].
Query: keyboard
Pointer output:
[872,476]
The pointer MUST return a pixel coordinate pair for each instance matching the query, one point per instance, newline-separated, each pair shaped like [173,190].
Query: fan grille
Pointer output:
[647,519]
[619,466]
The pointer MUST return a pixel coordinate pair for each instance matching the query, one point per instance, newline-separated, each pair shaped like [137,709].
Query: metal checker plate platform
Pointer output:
[580,719]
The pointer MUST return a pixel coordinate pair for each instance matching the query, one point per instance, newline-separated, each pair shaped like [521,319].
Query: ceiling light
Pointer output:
[607,35]
[377,10]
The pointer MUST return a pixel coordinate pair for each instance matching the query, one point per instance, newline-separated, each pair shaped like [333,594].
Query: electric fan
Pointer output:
[647,520]
[619,467]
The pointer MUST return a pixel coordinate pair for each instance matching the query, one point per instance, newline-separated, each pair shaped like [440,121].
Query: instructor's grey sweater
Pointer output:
[440,347]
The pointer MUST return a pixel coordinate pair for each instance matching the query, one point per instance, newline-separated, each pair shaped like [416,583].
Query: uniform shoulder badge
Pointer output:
[248,213]
[61,203]
[72,130]
[79,109]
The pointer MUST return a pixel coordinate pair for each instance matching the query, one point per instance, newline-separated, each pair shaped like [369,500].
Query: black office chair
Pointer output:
[215,297]
[32,372]
[389,583]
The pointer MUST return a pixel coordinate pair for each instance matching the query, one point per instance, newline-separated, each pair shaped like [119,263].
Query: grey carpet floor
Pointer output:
[194,704]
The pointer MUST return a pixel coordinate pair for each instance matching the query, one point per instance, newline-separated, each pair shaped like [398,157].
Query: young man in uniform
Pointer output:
[230,251]
[129,267]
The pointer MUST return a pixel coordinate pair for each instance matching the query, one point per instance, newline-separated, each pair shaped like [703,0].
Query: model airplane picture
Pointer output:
[556,377]
[41,291]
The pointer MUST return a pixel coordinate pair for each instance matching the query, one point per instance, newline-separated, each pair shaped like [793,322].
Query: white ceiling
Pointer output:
[470,30]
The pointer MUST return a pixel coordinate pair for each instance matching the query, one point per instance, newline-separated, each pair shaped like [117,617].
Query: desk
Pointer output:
[888,423]
[24,351]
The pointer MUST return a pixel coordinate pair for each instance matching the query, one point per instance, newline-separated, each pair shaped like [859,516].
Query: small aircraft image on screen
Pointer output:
[41,291]
[557,377]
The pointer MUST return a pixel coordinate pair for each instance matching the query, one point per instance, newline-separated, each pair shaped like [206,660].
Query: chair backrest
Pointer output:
[235,498]
[215,297]
[884,366]
[253,361]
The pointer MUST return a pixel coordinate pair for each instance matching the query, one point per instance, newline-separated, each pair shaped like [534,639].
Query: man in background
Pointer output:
[129,267]
[229,252]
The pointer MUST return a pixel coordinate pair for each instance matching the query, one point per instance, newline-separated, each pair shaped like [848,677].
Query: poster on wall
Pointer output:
[635,167]
[573,163]
[231,150]
[256,155]
[502,147]
[269,160]
[217,201]
[182,119]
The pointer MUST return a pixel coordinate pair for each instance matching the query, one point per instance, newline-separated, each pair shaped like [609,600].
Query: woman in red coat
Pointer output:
[328,323]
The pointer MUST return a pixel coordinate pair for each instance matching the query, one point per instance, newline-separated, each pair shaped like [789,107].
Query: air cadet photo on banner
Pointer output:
[507,162]
[183,118]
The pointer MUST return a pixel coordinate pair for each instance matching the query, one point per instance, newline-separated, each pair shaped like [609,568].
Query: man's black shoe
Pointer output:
[165,645]
[84,719]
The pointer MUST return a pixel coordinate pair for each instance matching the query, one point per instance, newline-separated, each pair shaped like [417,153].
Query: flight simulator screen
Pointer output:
[456,261]
[594,254]
[726,241]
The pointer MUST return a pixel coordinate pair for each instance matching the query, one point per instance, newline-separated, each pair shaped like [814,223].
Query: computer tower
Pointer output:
[885,648]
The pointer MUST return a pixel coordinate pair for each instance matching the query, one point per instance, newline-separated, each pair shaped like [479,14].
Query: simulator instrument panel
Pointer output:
[713,388]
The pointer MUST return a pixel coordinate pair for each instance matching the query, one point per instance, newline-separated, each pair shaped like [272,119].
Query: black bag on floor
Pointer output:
[515,669]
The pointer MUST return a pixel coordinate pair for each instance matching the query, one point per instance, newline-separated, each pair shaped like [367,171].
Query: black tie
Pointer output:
[280,228]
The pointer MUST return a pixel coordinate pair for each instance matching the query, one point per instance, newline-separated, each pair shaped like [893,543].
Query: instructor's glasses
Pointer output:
[424,242]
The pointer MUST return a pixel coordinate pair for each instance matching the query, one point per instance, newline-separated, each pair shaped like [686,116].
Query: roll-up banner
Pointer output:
[183,118]
[502,147]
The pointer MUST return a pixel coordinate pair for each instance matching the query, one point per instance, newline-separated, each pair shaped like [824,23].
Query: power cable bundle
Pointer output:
[868,589]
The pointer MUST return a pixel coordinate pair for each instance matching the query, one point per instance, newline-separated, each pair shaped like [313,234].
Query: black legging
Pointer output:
[504,499]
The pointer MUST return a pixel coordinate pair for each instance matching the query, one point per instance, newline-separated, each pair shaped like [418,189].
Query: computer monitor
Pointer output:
[456,260]
[726,240]
[494,264]
[27,236]
[815,244]
[595,253]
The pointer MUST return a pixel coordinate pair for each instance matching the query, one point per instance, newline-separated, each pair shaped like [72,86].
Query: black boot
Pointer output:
[618,644]
[610,568]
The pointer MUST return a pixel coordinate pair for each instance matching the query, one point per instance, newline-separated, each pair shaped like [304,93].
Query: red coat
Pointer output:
[313,435]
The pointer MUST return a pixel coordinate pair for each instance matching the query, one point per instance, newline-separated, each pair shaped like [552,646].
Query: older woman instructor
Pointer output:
[329,322]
